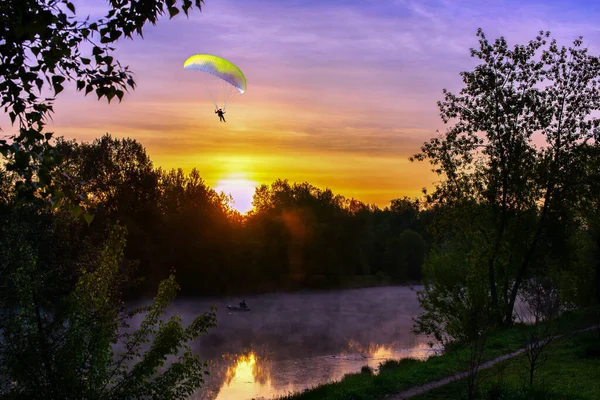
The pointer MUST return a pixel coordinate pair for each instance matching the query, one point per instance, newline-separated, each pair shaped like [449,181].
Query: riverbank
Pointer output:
[572,371]
[395,377]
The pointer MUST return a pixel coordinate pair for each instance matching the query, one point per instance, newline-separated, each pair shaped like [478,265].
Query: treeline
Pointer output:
[298,235]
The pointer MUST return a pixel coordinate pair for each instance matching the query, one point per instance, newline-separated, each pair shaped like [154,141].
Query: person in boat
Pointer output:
[220,112]
[243,304]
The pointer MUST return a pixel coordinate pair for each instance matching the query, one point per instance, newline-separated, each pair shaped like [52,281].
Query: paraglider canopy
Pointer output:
[223,79]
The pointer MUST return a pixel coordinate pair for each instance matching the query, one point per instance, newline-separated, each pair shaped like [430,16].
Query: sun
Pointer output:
[240,188]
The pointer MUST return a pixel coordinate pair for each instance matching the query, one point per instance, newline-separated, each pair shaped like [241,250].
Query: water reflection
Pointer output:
[376,354]
[249,377]
[290,342]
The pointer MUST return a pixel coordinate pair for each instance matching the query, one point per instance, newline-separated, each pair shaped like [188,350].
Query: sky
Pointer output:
[340,93]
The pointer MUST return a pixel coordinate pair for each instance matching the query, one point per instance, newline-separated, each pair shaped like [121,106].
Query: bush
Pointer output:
[394,365]
[366,370]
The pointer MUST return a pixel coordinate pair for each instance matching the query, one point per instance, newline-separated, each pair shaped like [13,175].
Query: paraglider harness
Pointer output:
[220,113]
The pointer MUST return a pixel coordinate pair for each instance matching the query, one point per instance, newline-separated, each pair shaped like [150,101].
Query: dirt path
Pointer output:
[433,385]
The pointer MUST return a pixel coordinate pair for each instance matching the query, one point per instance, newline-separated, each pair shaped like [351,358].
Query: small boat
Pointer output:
[237,308]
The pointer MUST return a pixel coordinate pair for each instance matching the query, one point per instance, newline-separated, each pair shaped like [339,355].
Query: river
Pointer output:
[289,342]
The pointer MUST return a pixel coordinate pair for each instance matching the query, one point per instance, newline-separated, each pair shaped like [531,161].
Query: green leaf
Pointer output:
[173,11]
[88,217]
[76,210]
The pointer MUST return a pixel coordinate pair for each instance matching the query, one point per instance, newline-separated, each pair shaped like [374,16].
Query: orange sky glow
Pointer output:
[339,94]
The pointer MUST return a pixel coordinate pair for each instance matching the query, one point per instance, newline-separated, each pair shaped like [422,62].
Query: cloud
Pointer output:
[342,92]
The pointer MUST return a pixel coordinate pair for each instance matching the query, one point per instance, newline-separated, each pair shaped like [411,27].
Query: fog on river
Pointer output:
[292,341]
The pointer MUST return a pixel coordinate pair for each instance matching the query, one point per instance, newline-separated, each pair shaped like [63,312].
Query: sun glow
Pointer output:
[247,378]
[241,190]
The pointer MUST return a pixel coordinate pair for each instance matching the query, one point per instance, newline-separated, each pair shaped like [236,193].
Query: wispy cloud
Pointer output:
[338,92]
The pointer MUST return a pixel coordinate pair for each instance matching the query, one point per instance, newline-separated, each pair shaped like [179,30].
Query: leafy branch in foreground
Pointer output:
[43,45]
[80,345]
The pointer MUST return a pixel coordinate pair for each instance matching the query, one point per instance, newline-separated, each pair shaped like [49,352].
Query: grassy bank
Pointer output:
[572,371]
[398,376]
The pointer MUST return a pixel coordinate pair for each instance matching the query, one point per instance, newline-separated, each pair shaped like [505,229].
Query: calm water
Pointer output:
[290,342]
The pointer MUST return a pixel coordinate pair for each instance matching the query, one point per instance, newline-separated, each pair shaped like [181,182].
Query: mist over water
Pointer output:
[293,341]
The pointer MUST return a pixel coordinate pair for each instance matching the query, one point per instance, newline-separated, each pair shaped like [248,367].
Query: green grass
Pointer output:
[572,371]
[398,376]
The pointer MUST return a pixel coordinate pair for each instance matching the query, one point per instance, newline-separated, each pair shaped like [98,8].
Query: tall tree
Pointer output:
[519,121]
[62,321]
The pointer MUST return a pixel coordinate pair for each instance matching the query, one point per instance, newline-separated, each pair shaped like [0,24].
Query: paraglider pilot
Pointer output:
[220,113]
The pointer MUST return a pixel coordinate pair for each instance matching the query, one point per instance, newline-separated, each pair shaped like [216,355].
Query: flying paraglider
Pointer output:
[223,79]
[221,117]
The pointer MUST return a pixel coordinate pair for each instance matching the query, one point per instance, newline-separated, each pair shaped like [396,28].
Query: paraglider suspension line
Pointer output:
[228,93]
[211,95]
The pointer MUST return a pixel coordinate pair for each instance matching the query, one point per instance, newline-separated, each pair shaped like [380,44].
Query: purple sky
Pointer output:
[340,93]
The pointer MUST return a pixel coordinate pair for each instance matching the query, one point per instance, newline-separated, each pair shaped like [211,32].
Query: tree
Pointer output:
[588,202]
[41,43]
[456,305]
[538,92]
[194,233]
[404,256]
[77,343]
[62,322]
[120,183]
[541,306]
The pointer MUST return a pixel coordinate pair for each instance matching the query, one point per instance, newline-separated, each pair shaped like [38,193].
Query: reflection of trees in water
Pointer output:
[257,371]
[291,342]
[288,332]
[419,351]
[239,372]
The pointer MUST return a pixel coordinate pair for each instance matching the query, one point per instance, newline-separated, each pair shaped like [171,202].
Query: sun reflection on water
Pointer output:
[248,377]
[253,375]
[375,354]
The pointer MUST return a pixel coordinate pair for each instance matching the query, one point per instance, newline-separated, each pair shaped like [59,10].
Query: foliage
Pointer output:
[456,307]
[300,235]
[64,326]
[537,91]
[77,343]
[365,369]
[541,306]
[42,47]
[404,256]
[587,212]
